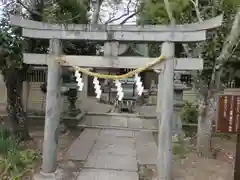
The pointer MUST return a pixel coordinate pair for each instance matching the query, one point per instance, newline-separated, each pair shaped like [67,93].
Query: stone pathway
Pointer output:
[119,121]
[146,110]
[91,104]
[112,154]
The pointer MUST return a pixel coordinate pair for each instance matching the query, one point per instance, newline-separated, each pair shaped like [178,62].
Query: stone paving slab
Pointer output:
[150,123]
[59,174]
[113,152]
[146,148]
[135,123]
[100,174]
[114,149]
[121,119]
[115,142]
[104,121]
[119,122]
[90,104]
[142,123]
[119,133]
[110,161]
[82,146]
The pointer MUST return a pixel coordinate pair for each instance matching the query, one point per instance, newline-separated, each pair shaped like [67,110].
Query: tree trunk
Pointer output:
[11,101]
[21,113]
[17,115]
[25,95]
[204,133]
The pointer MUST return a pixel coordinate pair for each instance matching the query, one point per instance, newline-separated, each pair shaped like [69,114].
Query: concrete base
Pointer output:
[59,174]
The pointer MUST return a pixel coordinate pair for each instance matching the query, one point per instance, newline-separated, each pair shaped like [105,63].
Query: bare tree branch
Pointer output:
[198,84]
[123,15]
[231,42]
[96,13]
[135,13]
[201,89]
[169,12]
[29,9]
[129,17]
[195,4]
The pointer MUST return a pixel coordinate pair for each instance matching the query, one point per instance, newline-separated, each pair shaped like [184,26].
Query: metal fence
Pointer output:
[36,75]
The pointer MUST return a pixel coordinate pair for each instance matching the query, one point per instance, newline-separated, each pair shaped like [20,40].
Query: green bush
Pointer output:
[7,143]
[14,160]
[189,113]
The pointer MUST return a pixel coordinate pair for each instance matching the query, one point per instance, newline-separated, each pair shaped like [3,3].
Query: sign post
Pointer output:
[228,121]
[237,159]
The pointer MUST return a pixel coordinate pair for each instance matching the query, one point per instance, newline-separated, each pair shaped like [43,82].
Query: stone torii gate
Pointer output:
[108,34]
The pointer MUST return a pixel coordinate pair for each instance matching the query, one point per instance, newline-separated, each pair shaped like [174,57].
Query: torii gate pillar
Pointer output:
[164,159]
[52,112]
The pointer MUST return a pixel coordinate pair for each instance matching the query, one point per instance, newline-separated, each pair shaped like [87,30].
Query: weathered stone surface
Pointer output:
[119,133]
[110,161]
[146,148]
[59,174]
[120,122]
[135,123]
[105,121]
[100,174]
[149,123]
[117,142]
[115,146]
[113,152]
[82,146]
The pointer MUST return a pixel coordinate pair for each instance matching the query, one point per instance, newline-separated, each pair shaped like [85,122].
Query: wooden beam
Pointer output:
[174,36]
[205,25]
[119,62]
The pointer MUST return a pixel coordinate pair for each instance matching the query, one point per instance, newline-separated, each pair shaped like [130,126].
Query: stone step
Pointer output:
[119,122]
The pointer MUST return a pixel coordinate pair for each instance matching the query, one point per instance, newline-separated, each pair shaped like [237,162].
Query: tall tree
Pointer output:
[12,44]
[13,71]
[212,50]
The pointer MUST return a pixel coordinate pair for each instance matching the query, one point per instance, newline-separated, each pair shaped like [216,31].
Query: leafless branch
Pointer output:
[129,17]
[198,81]
[96,13]
[231,42]
[133,14]
[169,12]
[29,9]
[195,4]
[124,14]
